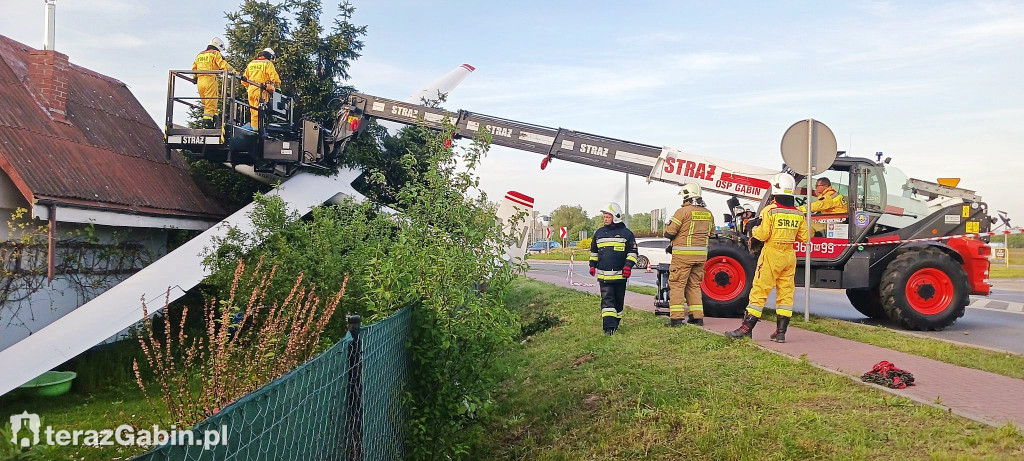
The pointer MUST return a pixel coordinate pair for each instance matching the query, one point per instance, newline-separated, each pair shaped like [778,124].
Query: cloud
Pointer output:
[820,96]
[121,7]
[117,40]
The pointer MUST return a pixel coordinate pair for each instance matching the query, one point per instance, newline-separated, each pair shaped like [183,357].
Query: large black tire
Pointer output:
[924,289]
[728,275]
[867,302]
[642,262]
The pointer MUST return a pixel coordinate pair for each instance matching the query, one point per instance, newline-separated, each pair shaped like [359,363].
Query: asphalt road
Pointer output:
[996,328]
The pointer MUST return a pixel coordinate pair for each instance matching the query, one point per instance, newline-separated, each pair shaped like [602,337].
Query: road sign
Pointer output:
[801,150]
[547,232]
[562,232]
[808,148]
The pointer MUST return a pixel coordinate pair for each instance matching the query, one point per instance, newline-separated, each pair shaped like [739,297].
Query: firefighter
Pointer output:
[778,226]
[612,256]
[209,91]
[689,231]
[829,202]
[262,81]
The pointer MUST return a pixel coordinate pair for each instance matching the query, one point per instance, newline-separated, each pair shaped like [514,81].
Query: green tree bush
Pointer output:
[436,256]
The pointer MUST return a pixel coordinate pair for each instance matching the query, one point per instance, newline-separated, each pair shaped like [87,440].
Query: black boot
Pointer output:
[745,329]
[692,321]
[609,332]
[675,322]
[781,323]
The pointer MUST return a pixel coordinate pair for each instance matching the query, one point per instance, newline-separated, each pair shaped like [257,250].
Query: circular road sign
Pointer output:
[822,144]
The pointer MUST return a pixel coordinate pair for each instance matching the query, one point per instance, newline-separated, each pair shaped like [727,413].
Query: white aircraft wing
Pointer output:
[119,307]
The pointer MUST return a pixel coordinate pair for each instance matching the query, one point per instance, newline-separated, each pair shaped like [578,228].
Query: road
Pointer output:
[993,322]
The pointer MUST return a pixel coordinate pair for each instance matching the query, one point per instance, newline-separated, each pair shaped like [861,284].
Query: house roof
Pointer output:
[109,156]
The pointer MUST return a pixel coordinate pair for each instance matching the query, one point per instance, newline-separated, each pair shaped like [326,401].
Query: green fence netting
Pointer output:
[345,404]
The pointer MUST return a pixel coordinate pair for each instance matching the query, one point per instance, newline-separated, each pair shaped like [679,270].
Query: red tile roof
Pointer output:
[111,156]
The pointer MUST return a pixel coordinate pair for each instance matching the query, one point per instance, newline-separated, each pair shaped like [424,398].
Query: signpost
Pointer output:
[808,147]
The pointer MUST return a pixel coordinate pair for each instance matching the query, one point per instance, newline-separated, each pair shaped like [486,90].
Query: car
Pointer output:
[651,252]
[542,246]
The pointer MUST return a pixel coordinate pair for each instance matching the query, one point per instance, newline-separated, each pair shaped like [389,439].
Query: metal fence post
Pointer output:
[355,391]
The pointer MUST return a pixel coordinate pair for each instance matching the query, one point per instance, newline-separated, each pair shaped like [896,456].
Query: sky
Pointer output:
[934,85]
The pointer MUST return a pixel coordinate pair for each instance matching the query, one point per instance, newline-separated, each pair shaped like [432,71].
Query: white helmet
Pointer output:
[783,184]
[615,210]
[690,191]
[271,52]
[217,43]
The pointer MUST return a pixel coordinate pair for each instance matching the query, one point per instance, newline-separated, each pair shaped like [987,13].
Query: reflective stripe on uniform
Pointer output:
[784,312]
[697,308]
[677,308]
[610,239]
[754,310]
[610,277]
[689,250]
[616,246]
[593,256]
[786,211]
[610,312]
[676,221]
[632,257]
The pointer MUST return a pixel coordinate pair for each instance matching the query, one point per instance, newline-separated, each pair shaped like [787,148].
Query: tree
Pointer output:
[312,64]
[572,217]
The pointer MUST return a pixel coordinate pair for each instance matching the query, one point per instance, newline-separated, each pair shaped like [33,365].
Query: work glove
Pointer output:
[668,249]
[626,271]
[593,272]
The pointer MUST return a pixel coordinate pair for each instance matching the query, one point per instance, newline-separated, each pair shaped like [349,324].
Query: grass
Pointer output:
[1005,364]
[1011,365]
[644,290]
[96,411]
[999,271]
[652,392]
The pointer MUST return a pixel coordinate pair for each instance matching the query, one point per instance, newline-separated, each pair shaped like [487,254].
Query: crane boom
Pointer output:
[662,164]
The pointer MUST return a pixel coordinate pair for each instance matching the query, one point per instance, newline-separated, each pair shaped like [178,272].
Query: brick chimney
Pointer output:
[48,72]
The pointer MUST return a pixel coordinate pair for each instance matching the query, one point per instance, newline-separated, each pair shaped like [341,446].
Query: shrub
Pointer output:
[437,256]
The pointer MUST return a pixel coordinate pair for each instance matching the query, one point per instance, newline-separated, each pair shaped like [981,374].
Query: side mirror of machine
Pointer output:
[727,217]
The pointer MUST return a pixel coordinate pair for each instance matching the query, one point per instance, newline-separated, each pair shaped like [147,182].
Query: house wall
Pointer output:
[64,294]
[9,195]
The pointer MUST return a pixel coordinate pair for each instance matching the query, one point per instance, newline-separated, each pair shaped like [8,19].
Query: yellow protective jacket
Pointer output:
[261,70]
[210,60]
[780,227]
[776,266]
[689,229]
[829,202]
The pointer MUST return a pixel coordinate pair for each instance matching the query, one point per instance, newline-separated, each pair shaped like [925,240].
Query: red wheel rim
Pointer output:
[929,291]
[723,278]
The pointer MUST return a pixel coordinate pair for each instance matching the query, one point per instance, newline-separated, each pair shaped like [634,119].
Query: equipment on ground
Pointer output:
[908,250]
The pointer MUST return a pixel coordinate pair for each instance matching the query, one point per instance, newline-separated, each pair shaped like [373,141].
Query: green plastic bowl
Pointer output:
[49,384]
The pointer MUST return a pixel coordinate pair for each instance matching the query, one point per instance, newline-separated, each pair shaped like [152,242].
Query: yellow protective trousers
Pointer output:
[684,278]
[256,96]
[210,92]
[776,268]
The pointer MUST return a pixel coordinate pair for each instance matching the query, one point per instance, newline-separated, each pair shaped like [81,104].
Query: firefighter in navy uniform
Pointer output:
[689,231]
[612,256]
[779,225]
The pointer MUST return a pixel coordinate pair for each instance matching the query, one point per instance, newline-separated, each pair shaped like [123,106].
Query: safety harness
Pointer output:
[886,374]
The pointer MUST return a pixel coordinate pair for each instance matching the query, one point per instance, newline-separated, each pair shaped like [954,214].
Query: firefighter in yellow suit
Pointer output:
[778,226]
[689,231]
[209,91]
[829,202]
[260,71]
